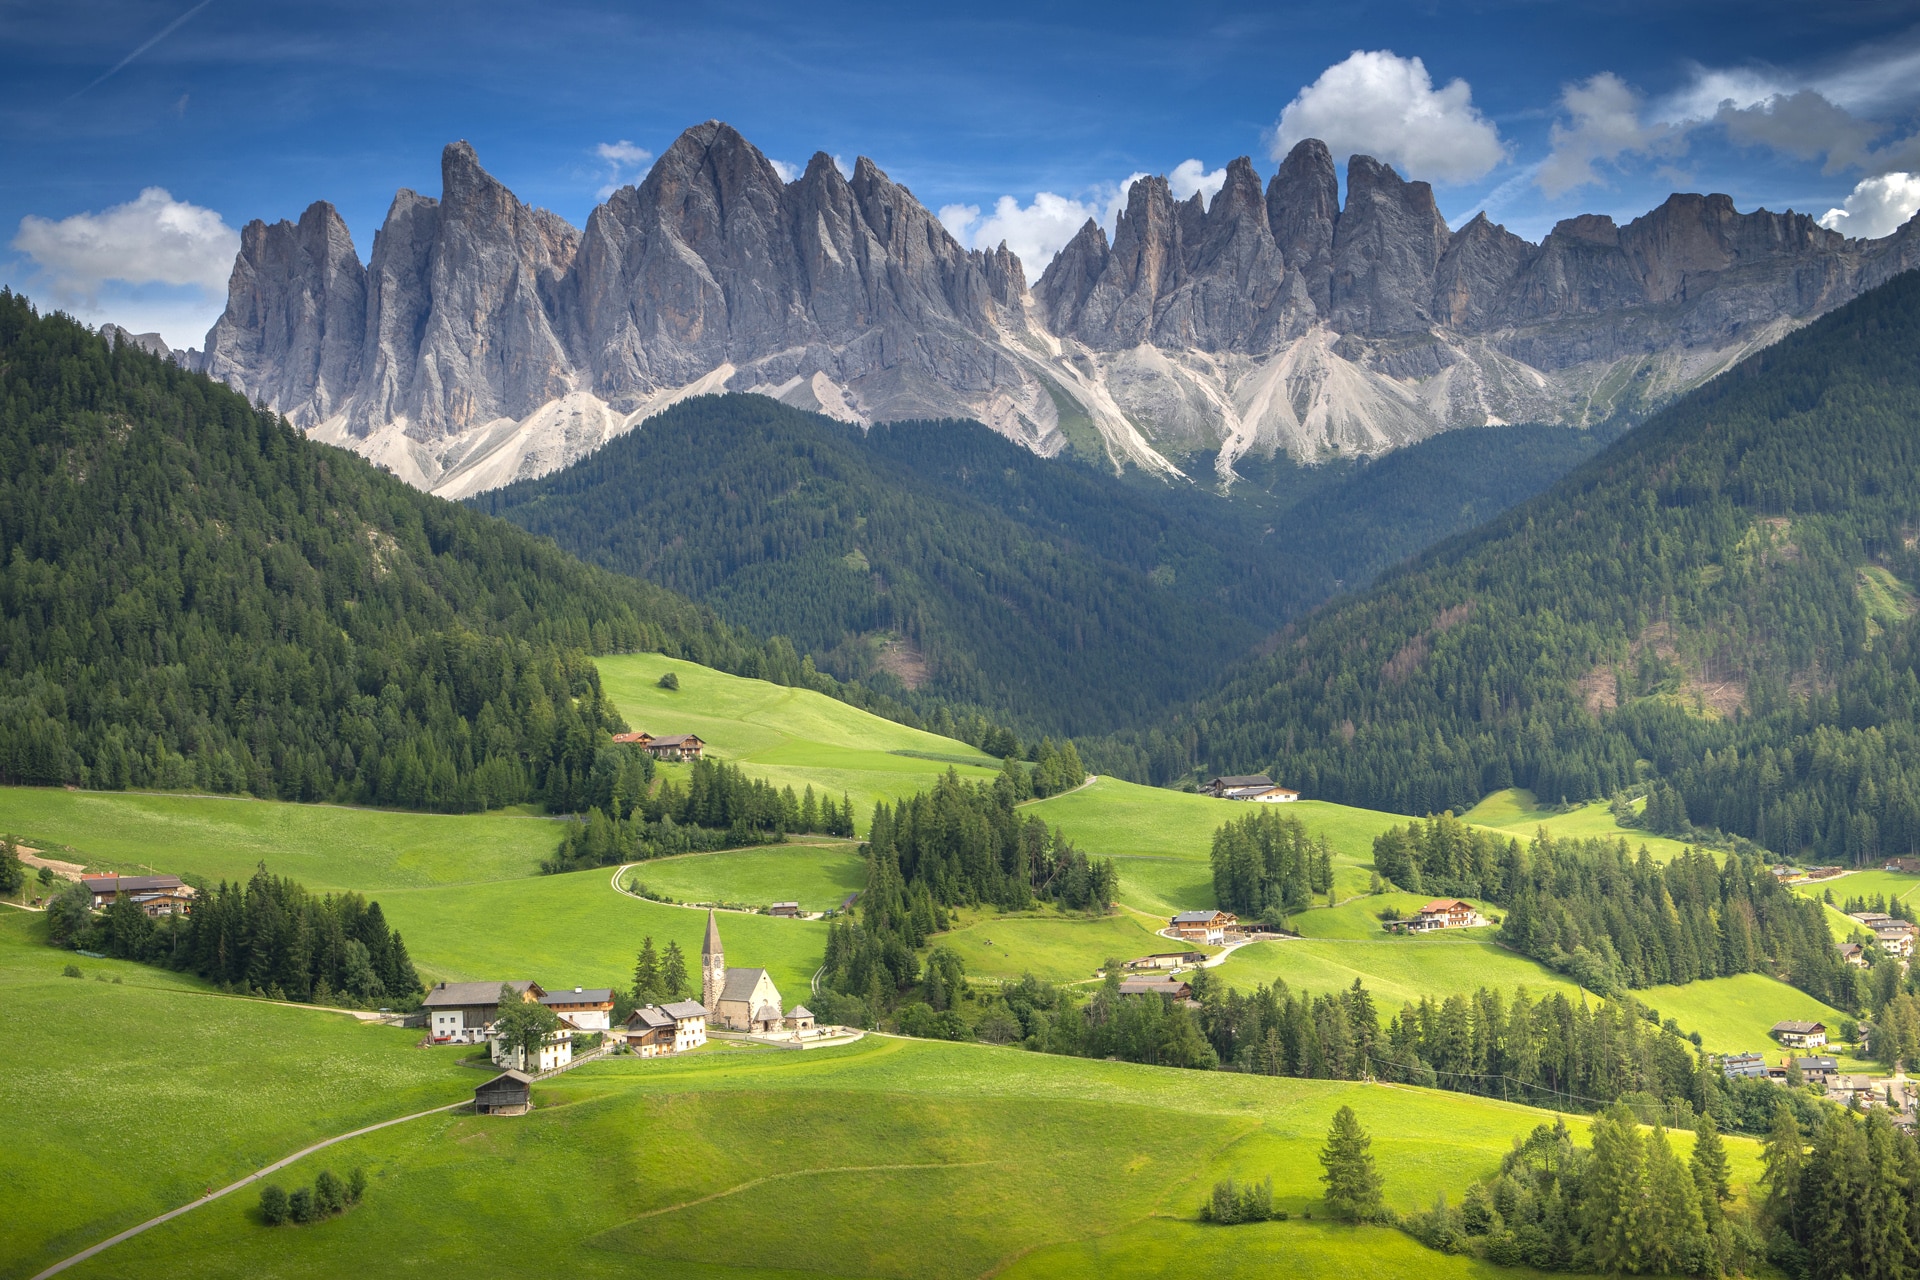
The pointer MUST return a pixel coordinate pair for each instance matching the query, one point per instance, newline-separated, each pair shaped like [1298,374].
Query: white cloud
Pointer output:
[152,240]
[1040,229]
[1385,106]
[786,171]
[1603,122]
[846,170]
[1803,125]
[1876,207]
[1190,176]
[625,162]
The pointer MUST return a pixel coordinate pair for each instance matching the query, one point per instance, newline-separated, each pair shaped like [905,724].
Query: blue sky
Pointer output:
[1534,111]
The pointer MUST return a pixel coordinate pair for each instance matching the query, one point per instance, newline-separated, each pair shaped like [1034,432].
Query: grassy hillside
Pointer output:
[818,876]
[1733,1014]
[323,846]
[136,1092]
[1516,811]
[790,737]
[1395,970]
[836,1161]
[1693,597]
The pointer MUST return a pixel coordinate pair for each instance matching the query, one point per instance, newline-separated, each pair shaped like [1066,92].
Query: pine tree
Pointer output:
[1353,1184]
[1675,1234]
[646,974]
[1616,1180]
[1782,1159]
[1709,1164]
[674,983]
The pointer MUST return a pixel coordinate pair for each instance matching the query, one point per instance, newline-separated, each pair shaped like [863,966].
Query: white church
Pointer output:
[743,999]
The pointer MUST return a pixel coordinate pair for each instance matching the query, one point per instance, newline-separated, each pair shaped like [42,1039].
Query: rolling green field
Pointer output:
[131,1098]
[1057,946]
[575,930]
[1162,840]
[325,847]
[818,876]
[1864,884]
[840,1161]
[1733,1014]
[1395,970]
[790,737]
[1517,812]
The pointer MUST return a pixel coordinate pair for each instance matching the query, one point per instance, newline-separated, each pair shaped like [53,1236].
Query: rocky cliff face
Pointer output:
[486,340]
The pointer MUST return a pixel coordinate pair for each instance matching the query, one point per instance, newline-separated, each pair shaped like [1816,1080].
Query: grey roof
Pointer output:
[515,1076]
[675,740]
[650,1017]
[1798,1028]
[711,947]
[1243,780]
[1154,986]
[130,884]
[684,1009]
[740,984]
[454,995]
[1195,917]
[768,1012]
[799,1011]
[1817,1062]
[580,995]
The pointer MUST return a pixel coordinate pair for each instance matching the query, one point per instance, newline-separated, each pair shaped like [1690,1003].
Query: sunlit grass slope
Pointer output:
[322,846]
[787,736]
[819,876]
[1516,811]
[131,1098]
[1057,946]
[575,930]
[1733,1014]
[1395,970]
[887,1158]
[1864,884]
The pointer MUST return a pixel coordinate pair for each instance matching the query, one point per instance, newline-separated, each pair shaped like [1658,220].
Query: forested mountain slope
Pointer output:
[1723,595]
[1058,596]
[192,594]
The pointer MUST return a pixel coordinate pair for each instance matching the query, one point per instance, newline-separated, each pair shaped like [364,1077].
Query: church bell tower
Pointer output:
[713,966]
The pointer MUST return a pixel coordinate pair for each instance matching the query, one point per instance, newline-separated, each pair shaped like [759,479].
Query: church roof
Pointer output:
[685,1009]
[740,984]
[711,947]
[768,1012]
[799,1011]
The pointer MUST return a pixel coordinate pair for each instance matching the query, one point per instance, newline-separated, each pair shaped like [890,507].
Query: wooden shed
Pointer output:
[508,1094]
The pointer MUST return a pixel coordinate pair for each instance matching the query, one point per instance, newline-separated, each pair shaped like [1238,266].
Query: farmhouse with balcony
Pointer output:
[1203,926]
[464,1012]
[1800,1035]
[583,1008]
[156,895]
[676,746]
[673,1027]
[1441,913]
[1257,787]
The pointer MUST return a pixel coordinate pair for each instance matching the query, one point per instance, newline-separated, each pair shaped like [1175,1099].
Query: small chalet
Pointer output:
[1252,786]
[1816,1069]
[584,1008]
[638,738]
[784,909]
[1744,1066]
[1204,926]
[463,1012]
[1895,938]
[1800,1035]
[508,1094]
[1441,913]
[1174,987]
[156,895]
[1910,866]
[674,1027]
[1167,960]
[555,1051]
[676,746]
[1852,953]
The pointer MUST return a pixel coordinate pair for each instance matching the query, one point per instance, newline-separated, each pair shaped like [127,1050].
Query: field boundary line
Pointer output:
[801,1173]
[251,1178]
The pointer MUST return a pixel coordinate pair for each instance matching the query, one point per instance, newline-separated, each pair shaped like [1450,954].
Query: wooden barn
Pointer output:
[508,1094]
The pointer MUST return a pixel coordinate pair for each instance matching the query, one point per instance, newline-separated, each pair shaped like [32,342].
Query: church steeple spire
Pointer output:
[713,964]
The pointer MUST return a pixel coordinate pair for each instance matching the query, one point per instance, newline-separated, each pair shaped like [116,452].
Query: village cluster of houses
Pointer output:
[668,746]
[1893,936]
[731,999]
[1823,1070]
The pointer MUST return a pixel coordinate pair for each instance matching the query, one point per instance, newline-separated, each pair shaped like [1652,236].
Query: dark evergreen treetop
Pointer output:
[193,594]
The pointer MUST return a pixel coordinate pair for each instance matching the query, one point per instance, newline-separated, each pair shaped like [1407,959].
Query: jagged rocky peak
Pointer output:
[487,340]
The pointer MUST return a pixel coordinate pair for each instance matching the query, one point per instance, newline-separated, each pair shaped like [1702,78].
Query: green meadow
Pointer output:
[817,875]
[843,1161]
[1395,970]
[1518,813]
[1734,1014]
[1057,946]
[325,847]
[133,1096]
[790,737]
[576,930]
[1863,884]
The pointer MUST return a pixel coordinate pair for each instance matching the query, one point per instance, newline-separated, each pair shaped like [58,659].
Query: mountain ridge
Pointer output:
[486,341]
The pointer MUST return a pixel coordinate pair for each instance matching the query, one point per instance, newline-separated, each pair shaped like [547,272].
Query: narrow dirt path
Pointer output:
[251,1178]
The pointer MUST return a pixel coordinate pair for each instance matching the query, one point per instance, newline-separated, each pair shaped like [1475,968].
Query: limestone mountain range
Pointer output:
[486,341]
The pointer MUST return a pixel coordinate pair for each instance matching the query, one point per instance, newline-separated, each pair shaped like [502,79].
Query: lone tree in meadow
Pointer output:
[674,983]
[1353,1184]
[646,974]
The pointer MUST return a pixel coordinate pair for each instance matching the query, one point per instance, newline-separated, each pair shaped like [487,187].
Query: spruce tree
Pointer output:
[1674,1232]
[1353,1184]
[646,974]
[1782,1159]
[1616,1179]
[673,973]
[1709,1163]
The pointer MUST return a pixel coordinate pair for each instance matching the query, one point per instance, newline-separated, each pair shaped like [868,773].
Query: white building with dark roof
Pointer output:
[463,1012]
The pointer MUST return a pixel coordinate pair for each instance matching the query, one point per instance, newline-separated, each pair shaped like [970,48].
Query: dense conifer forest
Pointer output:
[1723,598]
[194,595]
